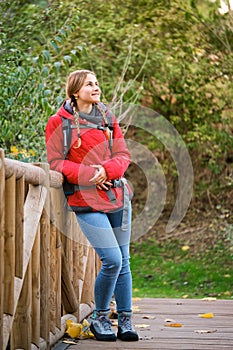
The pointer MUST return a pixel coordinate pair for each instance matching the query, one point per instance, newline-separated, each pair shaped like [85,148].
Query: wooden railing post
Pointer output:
[45,262]
[9,251]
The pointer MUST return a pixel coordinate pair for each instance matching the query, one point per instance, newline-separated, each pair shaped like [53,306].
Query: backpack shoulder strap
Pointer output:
[67,134]
[109,115]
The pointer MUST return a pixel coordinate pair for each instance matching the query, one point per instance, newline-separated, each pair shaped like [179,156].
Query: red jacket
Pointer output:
[77,168]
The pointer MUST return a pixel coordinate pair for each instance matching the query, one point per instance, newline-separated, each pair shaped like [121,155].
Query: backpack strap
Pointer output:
[67,134]
[109,117]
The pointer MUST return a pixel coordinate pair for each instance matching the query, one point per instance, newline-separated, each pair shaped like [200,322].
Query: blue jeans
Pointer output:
[103,231]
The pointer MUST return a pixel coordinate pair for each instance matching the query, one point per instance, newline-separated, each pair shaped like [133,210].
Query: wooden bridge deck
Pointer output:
[151,320]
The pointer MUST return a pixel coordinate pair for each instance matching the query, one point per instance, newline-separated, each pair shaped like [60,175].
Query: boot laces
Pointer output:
[126,322]
[105,322]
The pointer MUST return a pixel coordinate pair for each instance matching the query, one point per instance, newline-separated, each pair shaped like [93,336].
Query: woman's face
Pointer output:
[90,91]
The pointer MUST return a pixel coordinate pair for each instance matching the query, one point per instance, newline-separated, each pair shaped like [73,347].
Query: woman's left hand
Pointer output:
[100,178]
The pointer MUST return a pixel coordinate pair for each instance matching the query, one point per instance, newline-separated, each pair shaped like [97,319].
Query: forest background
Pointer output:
[172,57]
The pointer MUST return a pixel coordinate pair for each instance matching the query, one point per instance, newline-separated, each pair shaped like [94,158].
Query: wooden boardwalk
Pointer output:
[155,321]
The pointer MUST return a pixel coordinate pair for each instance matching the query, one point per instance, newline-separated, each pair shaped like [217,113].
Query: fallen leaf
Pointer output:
[185,248]
[185,296]
[208,315]
[79,330]
[173,325]
[114,323]
[142,325]
[145,337]
[209,299]
[206,331]
[148,317]
[169,320]
[69,341]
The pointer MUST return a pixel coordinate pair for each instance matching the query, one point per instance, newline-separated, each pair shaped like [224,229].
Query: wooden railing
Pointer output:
[47,268]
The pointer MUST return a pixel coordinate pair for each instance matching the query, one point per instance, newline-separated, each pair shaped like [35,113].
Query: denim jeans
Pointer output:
[103,231]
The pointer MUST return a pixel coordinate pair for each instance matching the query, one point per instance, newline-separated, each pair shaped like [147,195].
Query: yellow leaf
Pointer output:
[173,325]
[185,296]
[209,299]
[185,248]
[74,329]
[78,330]
[208,315]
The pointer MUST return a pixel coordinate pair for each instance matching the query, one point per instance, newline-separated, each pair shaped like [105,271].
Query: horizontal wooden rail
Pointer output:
[32,174]
[47,267]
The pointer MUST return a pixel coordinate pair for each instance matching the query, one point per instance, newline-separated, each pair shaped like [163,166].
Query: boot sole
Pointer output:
[127,337]
[102,337]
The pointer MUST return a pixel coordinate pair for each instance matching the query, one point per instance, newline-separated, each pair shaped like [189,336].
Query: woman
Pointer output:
[94,168]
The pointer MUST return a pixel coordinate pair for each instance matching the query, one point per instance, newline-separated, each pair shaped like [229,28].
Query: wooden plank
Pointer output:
[36,289]
[45,262]
[22,325]
[9,250]
[20,194]
[149,320]
[89,279]
[53,278]
[2,230]
[32,212]
[69,298]
[58,279]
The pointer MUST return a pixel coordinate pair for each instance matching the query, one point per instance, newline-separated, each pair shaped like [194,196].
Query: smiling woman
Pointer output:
[89,92]
[101,198]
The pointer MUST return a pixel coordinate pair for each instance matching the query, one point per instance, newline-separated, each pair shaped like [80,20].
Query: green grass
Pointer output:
[169,270]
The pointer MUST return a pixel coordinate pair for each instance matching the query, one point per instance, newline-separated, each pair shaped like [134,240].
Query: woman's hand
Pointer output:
[100,178]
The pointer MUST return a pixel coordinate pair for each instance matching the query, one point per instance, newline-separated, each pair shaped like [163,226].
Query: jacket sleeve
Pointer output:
[75,173]
[118,164]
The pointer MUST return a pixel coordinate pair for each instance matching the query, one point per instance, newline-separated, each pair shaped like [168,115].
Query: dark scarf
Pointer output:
[94,116]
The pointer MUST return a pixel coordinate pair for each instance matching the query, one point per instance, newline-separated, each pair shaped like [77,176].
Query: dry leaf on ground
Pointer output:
[209,299]
[206,331]
[142,325]
[169,320]
[207,315]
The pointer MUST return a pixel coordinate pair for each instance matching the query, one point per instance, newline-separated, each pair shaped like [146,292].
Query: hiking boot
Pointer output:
[125,329]
[101,326]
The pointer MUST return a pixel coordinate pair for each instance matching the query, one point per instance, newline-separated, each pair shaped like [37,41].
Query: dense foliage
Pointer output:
[174,57]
